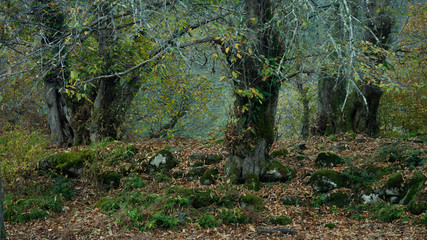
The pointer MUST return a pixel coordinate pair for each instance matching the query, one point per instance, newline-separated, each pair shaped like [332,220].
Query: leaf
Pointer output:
[227,49]
[234,74]
[222,78]
[238,55]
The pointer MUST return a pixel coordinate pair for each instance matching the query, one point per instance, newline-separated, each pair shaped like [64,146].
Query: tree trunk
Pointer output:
[306,108]
[365,114]
[53,19]
[2,229]
[253,132]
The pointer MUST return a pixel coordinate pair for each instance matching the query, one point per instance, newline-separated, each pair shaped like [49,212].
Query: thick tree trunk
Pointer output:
[2,228]
[305,129]
[58,113]
[364,115]
[253,133]
[53,19]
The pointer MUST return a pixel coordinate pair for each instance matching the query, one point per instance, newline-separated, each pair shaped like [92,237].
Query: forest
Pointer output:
[213,119]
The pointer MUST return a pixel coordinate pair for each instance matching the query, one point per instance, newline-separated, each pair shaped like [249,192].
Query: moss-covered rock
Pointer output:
[163,160]
[279,153]
[212,159]
[195,164]
[279,220]
[252,200]
[109,180]
[324,180]
[328,160]
[196,156]
[201,198]
[195,173]
[375,171]
[68,163]
[209,177]
[393,187]
[296,201]
[415,195]
[338,199]
[252,182]
[275,171]
[301,158]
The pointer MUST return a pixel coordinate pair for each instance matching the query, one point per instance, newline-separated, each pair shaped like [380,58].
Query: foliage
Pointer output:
[21,150]
[35,201]
[403,106]
[208,220]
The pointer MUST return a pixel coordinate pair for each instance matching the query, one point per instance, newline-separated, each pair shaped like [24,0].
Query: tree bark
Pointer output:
[253,132]
[53,20]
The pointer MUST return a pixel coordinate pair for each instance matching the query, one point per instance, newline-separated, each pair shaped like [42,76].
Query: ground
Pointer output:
[80,219]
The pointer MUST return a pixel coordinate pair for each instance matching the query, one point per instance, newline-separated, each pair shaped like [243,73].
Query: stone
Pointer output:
[109,180]
[163,160]
[279,153]
[195,173]
[209,177]
[324,180]
[275,171]
[393,187]
[415,194]
[68,163]
[328,160]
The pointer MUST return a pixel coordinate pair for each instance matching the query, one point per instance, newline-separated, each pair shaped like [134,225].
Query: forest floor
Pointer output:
[81,219]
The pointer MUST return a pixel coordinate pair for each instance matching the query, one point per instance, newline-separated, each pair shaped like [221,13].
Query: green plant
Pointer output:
[388,213]
[133,182]
[162,220]
[235,216]
[318,201]
[208,220]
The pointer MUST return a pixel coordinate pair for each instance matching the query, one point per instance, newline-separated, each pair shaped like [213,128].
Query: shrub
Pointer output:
[208,220]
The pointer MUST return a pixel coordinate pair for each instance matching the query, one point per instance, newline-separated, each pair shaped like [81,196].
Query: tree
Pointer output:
[340,108]
[256,91]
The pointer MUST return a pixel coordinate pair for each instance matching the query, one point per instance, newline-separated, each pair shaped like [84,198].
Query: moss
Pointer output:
[328,159]
[276,171]
[414,195]
[338,199]
[395,180]
[212,159]
[195,173]
[109,180]
[279,153]
[69,163]
[209,177]
[252,182]
[375,171]
[280,220]
[252,200]
[220,140]
[163,160]
[330,225]
[333,138]
[201,199]
[324,180]
[301,158]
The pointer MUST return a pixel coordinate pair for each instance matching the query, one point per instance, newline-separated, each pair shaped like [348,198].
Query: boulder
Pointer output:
[328,160]
[67,163]
[252,200]
[338,199]
[109,180]
[163,160]
[209,177]
[280,153]
[415,194]
[195,173]
[275,171]
[393,187]
[324,180]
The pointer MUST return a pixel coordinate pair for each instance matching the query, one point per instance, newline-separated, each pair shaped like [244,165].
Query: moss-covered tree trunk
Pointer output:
[52,19]
[256,93]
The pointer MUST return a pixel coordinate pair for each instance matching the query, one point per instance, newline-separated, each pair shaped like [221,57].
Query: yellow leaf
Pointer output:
[250,51]
[222,78]
[215,55]
[227,49]
[239,56]
[236,46]
[234,74]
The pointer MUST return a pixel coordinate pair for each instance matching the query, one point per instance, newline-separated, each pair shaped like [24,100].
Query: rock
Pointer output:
[252,200]
[279,220]
[196,156]
[201,199]
[393,187]
[275,171]
[209,177]
[279,153]
[372,196]
[195,173]
[415,194]
[300,147]
[339,147]
[333,138]
[252,182]
[359,139]
[338,199]
[324,180]
[195,164]
[208,159]
[328,160]
[163,160]
[67,163]
[109,180]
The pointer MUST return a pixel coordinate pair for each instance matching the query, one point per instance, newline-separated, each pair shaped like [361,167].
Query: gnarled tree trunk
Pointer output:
[253,132]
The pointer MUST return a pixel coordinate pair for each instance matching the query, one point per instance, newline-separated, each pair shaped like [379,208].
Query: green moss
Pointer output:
[333,138]
[395,180]
[109,180]
[280,220]
[252,182]
[338,199]
[163,160]
[414,196]
[324,180]
[328,159]
[252,200]
[195,173]
[209,177]
[330,225]
[68,163]
[279,153]
[276,171]
[201,199]
[220,140]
